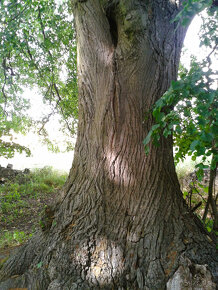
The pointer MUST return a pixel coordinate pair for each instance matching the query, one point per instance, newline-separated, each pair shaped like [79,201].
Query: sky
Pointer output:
[40,155]
[192,41]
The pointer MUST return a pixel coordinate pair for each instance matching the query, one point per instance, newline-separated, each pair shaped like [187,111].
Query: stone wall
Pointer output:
[9,173]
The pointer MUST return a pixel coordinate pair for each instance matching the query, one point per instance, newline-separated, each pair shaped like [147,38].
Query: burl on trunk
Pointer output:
[120,222]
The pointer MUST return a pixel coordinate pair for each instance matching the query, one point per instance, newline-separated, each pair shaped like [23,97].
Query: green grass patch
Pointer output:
[45,180]
[15,238]
[39,181]
[16,198]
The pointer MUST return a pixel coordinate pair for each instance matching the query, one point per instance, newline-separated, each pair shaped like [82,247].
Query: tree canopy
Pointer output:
[38,49]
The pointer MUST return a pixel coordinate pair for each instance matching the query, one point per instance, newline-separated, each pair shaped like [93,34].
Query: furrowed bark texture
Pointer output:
[121,222]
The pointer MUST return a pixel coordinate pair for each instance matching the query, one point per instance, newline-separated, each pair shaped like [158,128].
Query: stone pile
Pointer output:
[10,174]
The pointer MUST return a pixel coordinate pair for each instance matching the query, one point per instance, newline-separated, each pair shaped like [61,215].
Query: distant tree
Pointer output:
[37,50]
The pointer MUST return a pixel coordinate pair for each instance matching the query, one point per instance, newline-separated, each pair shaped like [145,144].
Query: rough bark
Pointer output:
[120,222]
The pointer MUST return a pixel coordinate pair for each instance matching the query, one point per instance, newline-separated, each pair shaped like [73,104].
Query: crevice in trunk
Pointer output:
[113,27]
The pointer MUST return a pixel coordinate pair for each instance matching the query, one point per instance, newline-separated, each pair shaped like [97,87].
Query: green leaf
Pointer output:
[167,132]
[186,21]
[175,85]
[185,194]
[158,115]
[205,189]
[39,265]
[154,127]
[148,138]
[193,145]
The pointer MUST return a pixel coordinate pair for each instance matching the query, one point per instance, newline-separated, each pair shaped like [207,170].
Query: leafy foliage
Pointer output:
[8,149]
[12,119]
[194,120]
[189,111]
[37,49]
[190,9]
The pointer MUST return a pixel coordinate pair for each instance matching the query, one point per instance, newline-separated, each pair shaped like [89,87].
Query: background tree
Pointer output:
[121,221]
[37,50]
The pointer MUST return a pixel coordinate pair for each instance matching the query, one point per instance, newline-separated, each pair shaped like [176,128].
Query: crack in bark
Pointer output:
[113,27]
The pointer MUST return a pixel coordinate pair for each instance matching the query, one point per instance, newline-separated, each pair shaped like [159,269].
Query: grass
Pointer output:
[22,201]
[45,180]
[14,238]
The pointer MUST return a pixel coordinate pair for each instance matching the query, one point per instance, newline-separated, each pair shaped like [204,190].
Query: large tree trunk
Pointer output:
[121,222]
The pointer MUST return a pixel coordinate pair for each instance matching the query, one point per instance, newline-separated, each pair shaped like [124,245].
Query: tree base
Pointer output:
[55,262]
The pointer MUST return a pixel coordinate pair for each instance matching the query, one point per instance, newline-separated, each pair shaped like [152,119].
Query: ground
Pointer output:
[24,200]
[22,203]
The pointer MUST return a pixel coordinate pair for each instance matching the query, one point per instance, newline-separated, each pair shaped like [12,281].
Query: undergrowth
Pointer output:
[13,238]
[195,193]
[22,201]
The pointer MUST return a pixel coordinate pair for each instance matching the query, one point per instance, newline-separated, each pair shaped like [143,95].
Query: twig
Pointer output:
[210,194]
[196,207]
